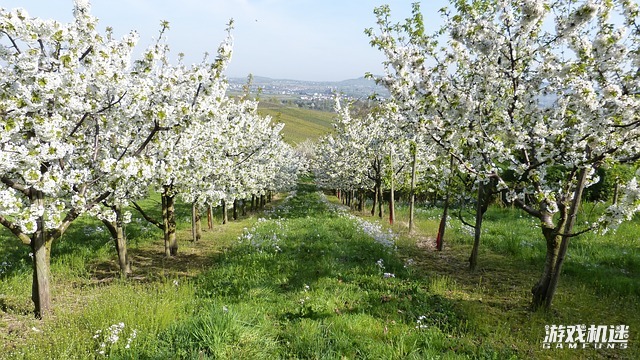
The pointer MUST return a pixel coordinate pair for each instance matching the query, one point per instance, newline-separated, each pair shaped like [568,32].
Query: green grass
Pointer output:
[300,124]
[600,283]
[302,281]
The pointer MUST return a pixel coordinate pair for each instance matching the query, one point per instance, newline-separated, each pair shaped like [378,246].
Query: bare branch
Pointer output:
[13,42]
[12,184]
[87,52]
[528,209]
[15,229]
[79,124]
[44,52]
[147,217]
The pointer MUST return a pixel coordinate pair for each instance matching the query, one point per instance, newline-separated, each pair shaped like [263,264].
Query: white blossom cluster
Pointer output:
[87,127]
[538,108]
[83,123]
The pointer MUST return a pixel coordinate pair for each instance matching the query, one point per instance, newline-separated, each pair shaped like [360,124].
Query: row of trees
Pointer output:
[528,99]
[84,129]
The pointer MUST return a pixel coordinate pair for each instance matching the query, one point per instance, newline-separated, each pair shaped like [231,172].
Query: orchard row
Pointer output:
[525,100]
[87,129]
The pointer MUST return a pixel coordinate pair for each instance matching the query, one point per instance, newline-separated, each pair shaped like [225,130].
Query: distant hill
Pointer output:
[299,124]
[356,88]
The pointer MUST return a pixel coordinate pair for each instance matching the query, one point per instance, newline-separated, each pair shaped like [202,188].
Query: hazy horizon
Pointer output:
[303,40]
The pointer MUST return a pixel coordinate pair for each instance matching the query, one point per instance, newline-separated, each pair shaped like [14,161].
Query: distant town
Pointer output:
[308,91]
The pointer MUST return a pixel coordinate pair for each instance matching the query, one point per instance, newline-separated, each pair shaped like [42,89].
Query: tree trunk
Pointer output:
[196,222]
[616,191]
[209,217]
[375,199]
[445,212]
[540,290]
[568,229]
[244,207]
[392,195]
[352,196]
[380,199]
[165,224]
[225,216]
[263,201]
[362,199]
[193,221]
[119,236]
[253,203]
[198,225]
[412,190]
[473,259]
[40,248]
[443,223]
[171,226]
[235,209]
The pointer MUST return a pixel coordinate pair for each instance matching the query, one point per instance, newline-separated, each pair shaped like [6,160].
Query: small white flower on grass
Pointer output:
[408,263]
[388,275]
[380,264]
[130,339]
[225,309]
[36,329]
[420,322]
[175,282]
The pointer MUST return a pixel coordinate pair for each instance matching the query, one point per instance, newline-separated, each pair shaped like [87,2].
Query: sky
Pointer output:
[315,40]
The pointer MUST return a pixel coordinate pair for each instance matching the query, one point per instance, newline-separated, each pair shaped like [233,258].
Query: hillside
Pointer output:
[300,124]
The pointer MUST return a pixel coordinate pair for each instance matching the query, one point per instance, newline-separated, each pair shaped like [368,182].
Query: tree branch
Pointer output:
[12,184]
[528,209]
[13,42]
[147,217]
[85,53]
[15,229]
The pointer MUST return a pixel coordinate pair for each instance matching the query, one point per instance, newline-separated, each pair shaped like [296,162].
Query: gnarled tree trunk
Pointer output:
[169,222]
[541,288]
[119,236]
[41,252]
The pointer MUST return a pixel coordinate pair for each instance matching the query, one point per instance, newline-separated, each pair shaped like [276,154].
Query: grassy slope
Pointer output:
[300,124]
[308,286]
[305,286]
[600,283]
